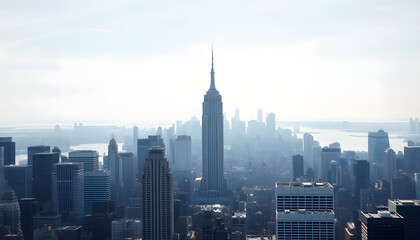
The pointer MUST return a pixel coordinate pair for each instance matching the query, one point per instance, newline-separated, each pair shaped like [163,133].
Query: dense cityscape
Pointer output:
[209,120]
[214,179]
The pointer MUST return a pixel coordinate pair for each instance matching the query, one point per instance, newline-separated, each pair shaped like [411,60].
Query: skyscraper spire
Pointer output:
[212,84]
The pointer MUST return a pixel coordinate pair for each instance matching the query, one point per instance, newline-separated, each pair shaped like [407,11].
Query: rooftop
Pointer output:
[303,211]
[399,202]
[305,184]
[380,214]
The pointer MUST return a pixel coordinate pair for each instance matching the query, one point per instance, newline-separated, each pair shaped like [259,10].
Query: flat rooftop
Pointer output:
[399,202]
[380,214]
[304,184]
[305,212]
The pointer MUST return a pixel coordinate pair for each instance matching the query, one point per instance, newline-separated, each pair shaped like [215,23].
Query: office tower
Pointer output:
[417,185]
[402,187]
[97,188]
[297,167]
[143,146]
[308,143]
[114,163]
[9,148]
[305,211]
[102,216]
[328,154]
[378,142]
[414,125]
[89,158]
[126,229]
[2,177]
[129,169]
[182,161]
[412,159]
[316,160]
[19,178]
[410,211]
[260,115]
[68,192]
[333,173]
[42,174]
[28,208]
[36,149]
[271,124]
[361,177]
[382,225]
[10,211]
[69,233]
[157,197]
[213,179]
[388,164]
[135,138]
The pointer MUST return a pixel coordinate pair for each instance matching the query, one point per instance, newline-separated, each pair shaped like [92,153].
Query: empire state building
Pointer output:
[213,183]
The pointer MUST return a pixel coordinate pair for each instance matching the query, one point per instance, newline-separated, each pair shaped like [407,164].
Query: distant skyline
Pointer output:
[149,62]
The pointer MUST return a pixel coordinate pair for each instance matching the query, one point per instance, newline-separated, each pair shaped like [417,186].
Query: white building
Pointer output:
[305,210]
[303,224]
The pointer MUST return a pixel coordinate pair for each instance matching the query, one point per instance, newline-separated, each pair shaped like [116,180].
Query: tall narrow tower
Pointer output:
[213,182]
[157,197]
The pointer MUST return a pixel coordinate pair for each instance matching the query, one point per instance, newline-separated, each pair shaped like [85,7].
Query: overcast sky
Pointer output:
[149,61]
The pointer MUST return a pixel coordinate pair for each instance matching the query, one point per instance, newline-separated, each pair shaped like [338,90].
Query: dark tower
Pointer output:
[213,182]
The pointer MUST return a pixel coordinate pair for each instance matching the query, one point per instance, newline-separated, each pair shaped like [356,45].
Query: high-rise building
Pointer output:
[28,208]
[382,225]
[2,178]
[182,161]
[114,163]
[388,164]
[412,159]
[9,148]
[378,142]
[271,124]
[402,187]
[260,115]
[316,160]
[327,155]
[213,180]
[143,147]
[417,185]
[36,149]
[135,138]
[308,143]
[361,177]
[129,169]
[297,167]
[68,192]
[126,229]
[19,178]
[42,167]
[89,158]
[157,197]
[97,188]
[305,211]
[10,211]
[410,211]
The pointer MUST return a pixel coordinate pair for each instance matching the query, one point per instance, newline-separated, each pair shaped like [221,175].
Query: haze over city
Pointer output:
[147,62]
[221,120]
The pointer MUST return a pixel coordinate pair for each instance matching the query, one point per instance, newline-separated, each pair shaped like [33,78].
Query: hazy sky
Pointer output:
[149,61]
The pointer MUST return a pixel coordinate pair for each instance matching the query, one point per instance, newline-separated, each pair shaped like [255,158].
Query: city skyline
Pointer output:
[64,70]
